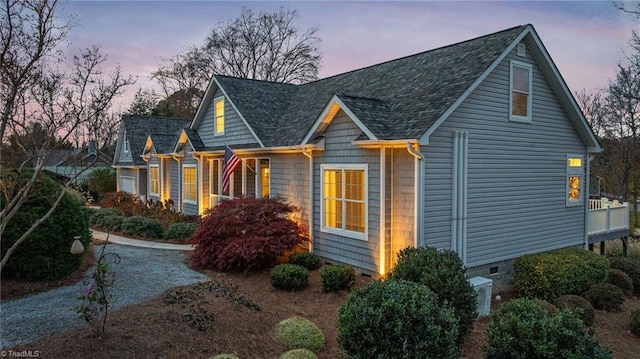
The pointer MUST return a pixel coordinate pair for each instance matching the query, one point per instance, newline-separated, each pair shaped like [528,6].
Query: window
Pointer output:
[520,89]
[265,178]
[344,194]
[154,180]
[219,115]
[189,183]
[126,142]
[575,183]
[250,179]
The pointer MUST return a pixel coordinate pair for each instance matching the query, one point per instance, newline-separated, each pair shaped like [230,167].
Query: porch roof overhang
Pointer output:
[319,146]
[370,144]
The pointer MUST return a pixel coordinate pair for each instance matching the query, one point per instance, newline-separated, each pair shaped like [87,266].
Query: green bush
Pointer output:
[580,306]
[308,260]
[631,266]
[108,219]
[336,278]
[102,180]
[396,319]
[635,322]
[143,227]
[299,354]
[552,274]
[621,280]
[444,273]
[522,329]
[605,296]
[45,254]
[299,333]
[181,230]
[290,277]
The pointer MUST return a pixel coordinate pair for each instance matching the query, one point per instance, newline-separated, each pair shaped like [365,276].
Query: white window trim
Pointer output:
[215,116]
[516,118]
[345,232]
[184,200]
[157,194]
[574,172]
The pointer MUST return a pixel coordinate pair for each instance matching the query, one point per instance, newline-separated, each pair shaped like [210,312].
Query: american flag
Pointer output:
[231,162]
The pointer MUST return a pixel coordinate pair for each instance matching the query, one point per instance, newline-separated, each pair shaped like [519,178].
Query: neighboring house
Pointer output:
[478,147]
[131,168]
[76,164]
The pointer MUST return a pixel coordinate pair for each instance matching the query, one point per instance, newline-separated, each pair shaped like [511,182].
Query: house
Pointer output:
[131,168]
[478,147]
[76,164]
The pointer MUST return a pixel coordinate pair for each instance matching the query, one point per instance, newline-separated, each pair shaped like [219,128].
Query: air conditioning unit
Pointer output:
[483,287]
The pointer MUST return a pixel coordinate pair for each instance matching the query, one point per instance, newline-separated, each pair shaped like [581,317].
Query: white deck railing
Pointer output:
[607,216]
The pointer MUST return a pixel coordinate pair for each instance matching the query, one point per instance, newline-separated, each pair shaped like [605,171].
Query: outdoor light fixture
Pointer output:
[77,247]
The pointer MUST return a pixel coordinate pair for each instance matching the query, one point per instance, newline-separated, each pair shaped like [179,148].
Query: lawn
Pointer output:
[242,311]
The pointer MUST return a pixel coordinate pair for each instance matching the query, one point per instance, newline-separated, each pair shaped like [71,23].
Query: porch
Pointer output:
[607,220]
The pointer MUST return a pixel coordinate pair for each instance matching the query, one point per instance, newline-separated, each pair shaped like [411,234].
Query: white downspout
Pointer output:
[465,174]
[179,199]
[383,213]
[309,155]
[199,182]
[416,191]
[454,193]
[586,201]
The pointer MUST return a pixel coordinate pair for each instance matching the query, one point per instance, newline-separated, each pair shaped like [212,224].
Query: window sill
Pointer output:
[344,233]
[521,119]
[188,201]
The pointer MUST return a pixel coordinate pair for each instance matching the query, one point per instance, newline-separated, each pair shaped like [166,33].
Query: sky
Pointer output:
[586,39]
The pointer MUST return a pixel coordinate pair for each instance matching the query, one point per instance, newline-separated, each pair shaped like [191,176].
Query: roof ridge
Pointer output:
[257,80]
[417,54]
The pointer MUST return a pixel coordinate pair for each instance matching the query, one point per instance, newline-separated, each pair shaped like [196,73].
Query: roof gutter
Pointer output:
[386,143]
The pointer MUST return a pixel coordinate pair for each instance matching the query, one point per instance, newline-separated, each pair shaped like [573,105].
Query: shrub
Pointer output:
[181,230]
[290,277]
[246,234]
[552,274]
[635,322]
[299,333]
[308,260]
[336,278]
[143,227]
[631,266]
[621,280]
[299,354]
[102,180]
[580,306]
[522,329]
[107,218]
[605,296]
[225,356]
[396,319]
[443,273]
[45,254]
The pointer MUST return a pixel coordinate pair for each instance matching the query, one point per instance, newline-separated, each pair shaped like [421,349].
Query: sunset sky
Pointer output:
[586,39]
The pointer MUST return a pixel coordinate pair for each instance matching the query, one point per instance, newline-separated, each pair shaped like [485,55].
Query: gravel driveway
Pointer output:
[142,274]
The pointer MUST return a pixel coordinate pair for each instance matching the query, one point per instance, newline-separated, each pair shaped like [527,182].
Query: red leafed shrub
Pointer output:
[246,234]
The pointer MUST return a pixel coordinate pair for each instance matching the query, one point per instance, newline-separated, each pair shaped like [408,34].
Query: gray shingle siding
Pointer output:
[235,130]
[402,195]
[290,179]
[517,173]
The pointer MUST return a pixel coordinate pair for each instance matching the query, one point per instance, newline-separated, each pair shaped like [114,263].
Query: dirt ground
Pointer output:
[237,314]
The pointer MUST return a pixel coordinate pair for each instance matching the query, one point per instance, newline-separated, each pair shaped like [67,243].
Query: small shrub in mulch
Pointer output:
[223,291]
[605,296]
[631,266]
[308,260]
[337,277]
[580,306]
[621,280]
[289,277]
[299,333]
[225,356]
[143,227]
[635,322]
[299,354]
[180,231]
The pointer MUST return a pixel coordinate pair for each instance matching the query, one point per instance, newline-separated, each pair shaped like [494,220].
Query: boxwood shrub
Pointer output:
[143,227]
[444,273]
[605,296]
[289,277]
[45,255]
[552,274]
[299,333]
[522,329]
[299,354]
[337,277]
[107,218]
[621,280]
[308,260]
[583,309]
[631,266]
[180,230]
[396,319]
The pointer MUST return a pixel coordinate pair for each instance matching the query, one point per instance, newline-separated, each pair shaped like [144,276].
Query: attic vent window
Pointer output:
[522,49]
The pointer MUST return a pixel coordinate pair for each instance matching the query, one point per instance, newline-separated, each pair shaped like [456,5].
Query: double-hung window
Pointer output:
[189,183]
[344,200]
[219,115]
[575,182]
[154,180]
[520,92]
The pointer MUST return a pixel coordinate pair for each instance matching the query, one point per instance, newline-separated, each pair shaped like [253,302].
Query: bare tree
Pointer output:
[628,7]
[262,46]
[61,103]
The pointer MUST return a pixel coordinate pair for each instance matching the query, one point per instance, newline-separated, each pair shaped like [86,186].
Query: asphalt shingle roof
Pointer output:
[139,127]
[398,99]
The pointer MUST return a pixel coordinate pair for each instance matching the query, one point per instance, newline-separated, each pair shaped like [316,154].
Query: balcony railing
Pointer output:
[607,216]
